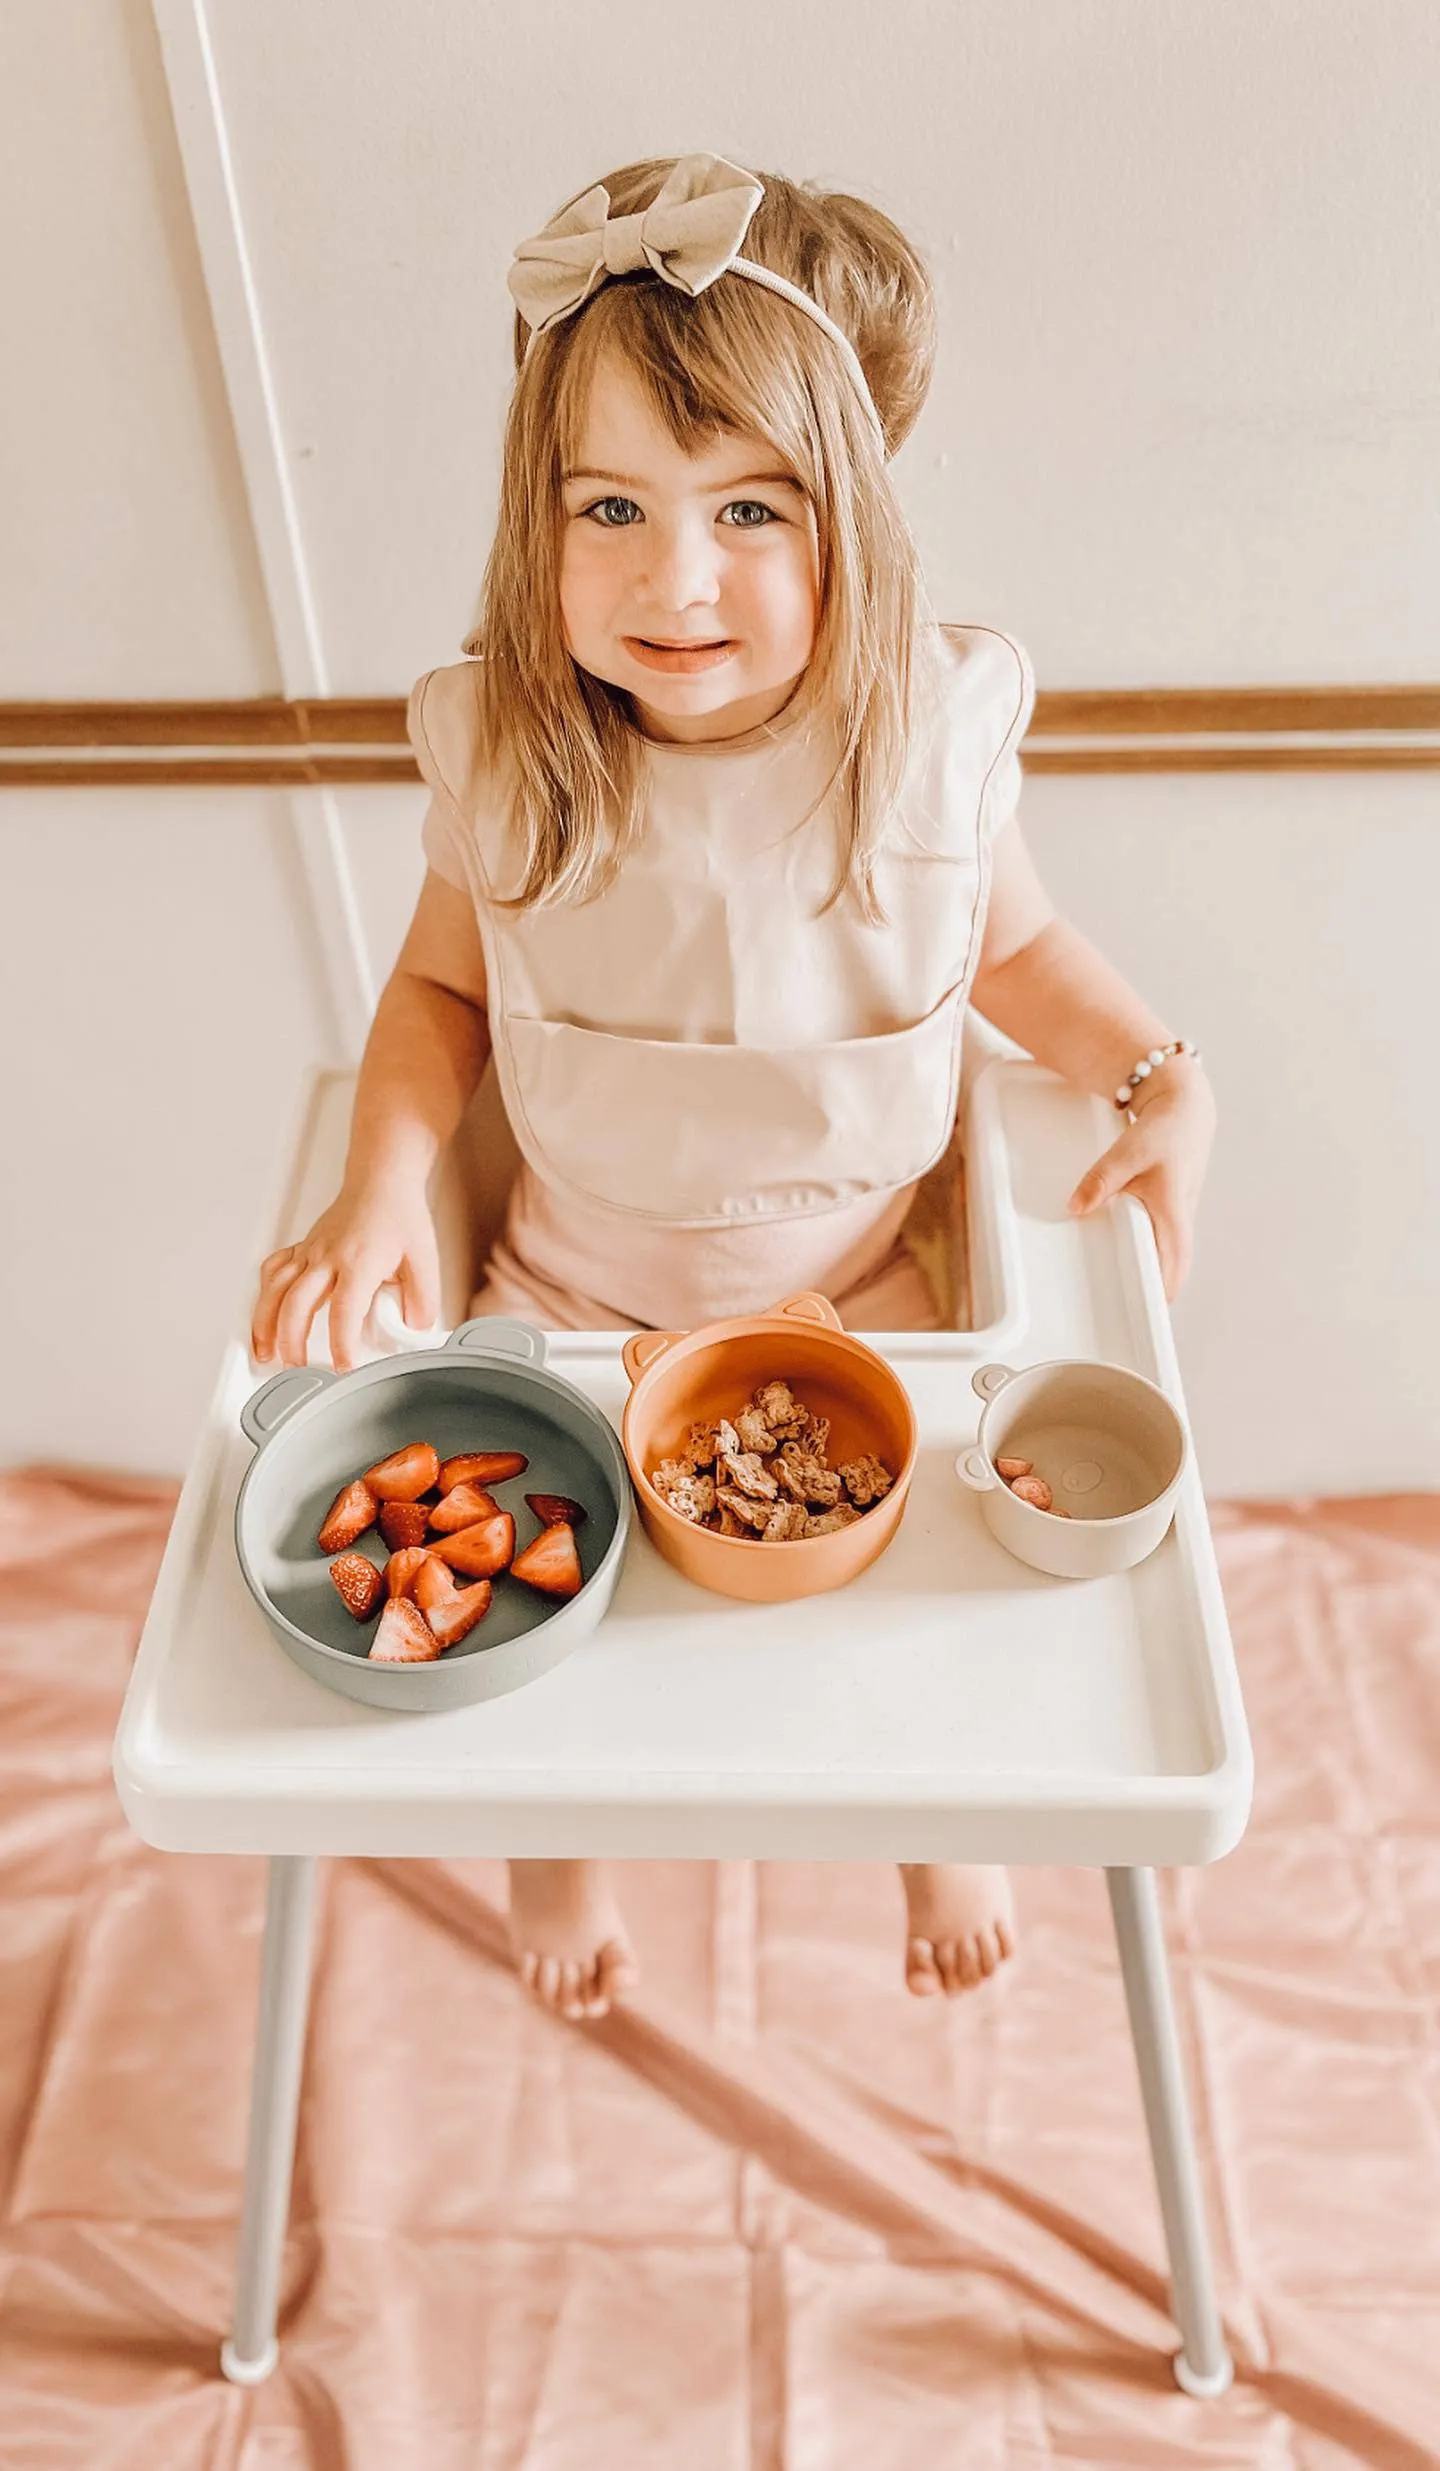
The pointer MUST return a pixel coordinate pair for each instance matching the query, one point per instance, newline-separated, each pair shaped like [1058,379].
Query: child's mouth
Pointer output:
[680,659]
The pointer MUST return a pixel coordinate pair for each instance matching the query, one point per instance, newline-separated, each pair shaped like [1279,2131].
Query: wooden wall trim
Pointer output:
[324,741]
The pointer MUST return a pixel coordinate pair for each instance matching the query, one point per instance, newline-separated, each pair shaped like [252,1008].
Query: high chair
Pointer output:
[1095,1722]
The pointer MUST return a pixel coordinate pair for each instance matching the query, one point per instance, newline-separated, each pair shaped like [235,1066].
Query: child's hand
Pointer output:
[358,1244]
[1161,1158]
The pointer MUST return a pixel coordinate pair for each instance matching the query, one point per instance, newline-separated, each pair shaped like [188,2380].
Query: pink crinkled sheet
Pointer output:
[779,2217]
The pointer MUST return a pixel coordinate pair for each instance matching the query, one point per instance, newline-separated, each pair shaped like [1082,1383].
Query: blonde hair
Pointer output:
[741,359]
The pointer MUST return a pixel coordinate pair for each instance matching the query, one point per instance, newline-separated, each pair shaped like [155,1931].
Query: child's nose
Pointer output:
[682,565]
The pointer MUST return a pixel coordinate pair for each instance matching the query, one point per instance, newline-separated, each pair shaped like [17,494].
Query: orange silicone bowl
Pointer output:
[680,1378]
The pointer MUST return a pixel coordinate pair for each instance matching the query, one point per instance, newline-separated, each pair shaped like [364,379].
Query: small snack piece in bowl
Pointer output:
[358,1584]
[348,1516]
[745,1468]
[684,1489]
[1019,1475]
[844,1514]
[865,1480]
[782,1411]
[406,1474]
[806,1477]
[752,1517]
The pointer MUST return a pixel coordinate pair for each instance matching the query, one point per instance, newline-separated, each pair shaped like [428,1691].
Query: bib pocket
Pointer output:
[711,1134]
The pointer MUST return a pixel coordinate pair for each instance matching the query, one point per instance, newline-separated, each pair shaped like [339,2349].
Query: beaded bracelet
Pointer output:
[1151,1063]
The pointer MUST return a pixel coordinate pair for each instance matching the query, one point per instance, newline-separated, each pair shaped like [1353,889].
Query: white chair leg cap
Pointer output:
[249,2371]
[1205,2389]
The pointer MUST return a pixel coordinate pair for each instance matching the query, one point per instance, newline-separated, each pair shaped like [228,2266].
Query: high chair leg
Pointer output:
[252,2350]
[1202,2365]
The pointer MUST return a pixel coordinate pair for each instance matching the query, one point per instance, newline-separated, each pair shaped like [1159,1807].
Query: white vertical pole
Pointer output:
[198,107]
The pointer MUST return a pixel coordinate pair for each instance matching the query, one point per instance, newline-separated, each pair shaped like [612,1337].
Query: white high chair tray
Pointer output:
[950,1704]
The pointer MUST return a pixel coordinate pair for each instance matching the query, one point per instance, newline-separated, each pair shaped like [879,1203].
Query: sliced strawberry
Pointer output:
[551,1563]
[482,1467]
[461,1507]
[434,1584]
[404,1635]
[406,1474]
[480,1550]
[348,1516]
[403,1568]
[457,1616]
[556,1509]
[359,1583]
[403,1522]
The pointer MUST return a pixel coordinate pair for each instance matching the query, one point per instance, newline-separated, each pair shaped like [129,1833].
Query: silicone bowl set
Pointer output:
[1109,1444]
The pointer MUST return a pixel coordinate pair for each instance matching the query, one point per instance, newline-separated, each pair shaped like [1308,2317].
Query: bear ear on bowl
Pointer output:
[644,1348]
[807,1305]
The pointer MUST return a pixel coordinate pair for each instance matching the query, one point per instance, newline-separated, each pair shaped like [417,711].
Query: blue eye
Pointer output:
[749,507]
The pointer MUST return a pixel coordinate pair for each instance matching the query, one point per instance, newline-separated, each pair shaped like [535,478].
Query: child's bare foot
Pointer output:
[569,1937]
[961,1924]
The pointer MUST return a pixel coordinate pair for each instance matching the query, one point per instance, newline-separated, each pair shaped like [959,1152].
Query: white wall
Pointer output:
[1184,430]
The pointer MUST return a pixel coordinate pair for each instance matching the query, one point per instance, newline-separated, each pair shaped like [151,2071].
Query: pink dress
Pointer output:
[720,1094]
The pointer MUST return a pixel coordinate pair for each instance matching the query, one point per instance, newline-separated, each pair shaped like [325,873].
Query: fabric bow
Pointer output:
[689,234]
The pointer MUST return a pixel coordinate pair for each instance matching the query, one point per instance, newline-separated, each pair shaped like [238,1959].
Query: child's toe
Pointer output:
[572,1989]
[616,1971]
[922,1975]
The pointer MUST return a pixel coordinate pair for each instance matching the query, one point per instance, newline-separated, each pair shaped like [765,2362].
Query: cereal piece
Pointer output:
[690,1495]
[701,1443]
[754,1432]
[805,1475]
[1011,1468]
[866,1480]
[830,1522]
[726,1523]
[1033,1489]
[781,1410]
[816,1434]
[752,1515]
[743,1467]
[787,1521]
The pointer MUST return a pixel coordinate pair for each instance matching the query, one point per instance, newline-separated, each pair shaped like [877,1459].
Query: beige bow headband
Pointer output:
[689,234]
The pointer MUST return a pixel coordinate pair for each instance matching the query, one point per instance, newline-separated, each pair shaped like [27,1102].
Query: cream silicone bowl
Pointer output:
[1109,1445]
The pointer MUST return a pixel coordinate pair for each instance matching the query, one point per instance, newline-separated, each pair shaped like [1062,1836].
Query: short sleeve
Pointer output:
[439,833]
[1011,702]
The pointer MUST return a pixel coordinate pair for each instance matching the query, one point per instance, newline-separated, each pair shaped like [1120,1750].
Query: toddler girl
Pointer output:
[721,844]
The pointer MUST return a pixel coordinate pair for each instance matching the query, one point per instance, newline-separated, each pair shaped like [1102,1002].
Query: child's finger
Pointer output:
[355,1292]
[1109,1175]
[276,1276]
[299,1306]
[420,1287]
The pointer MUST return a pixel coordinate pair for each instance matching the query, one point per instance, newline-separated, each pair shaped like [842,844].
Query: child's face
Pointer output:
[662,546]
